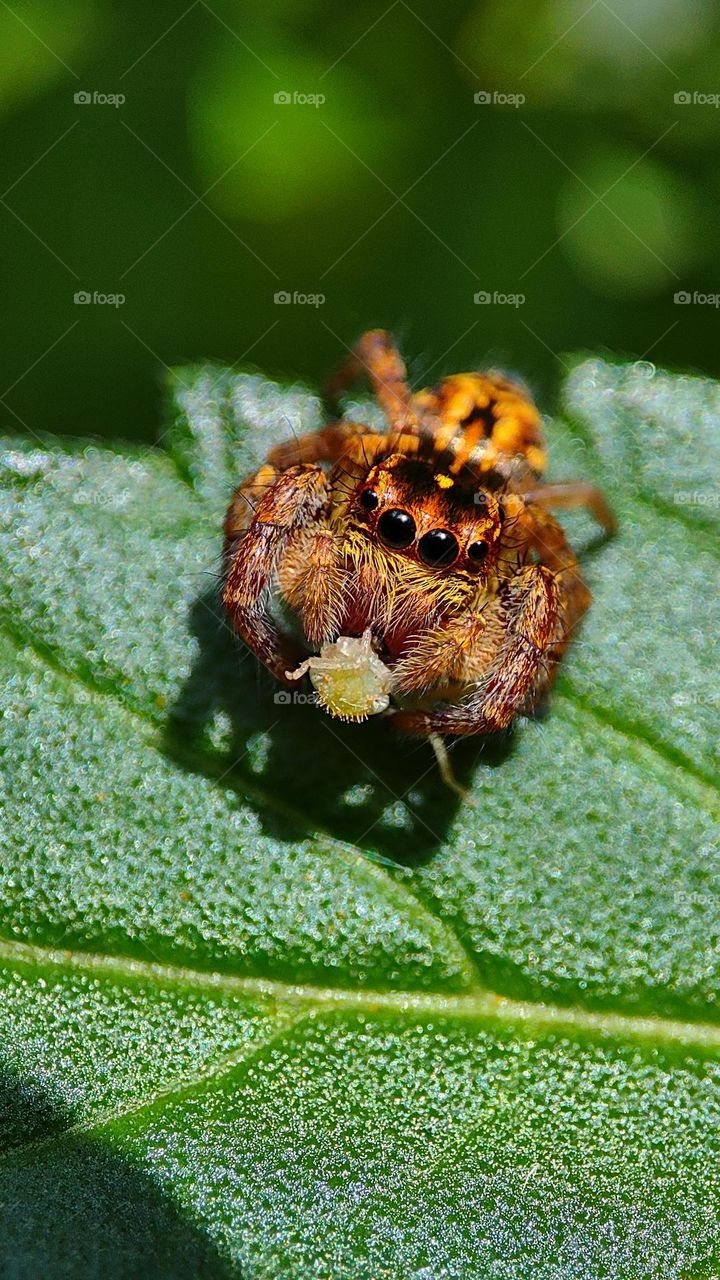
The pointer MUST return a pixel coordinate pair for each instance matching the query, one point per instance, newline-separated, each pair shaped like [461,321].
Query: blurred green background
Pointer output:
[585,184]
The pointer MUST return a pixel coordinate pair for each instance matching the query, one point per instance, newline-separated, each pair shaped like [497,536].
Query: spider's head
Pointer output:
[424,516]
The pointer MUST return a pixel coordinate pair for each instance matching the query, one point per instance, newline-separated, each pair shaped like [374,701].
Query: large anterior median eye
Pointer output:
[438,548]
[396,528]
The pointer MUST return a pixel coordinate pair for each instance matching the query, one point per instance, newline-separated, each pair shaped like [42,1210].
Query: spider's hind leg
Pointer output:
[375,357]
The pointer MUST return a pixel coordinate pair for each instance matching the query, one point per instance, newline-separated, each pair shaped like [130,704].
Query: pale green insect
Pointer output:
[349,678]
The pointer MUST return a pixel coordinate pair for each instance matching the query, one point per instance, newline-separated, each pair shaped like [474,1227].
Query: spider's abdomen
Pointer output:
[485,413]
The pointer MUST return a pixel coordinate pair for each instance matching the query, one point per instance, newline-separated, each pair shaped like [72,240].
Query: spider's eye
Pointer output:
[439,547]
[477,551]
[396,528]
[368,499]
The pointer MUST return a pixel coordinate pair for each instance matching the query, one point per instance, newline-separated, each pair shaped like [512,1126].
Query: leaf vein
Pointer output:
[524,1016]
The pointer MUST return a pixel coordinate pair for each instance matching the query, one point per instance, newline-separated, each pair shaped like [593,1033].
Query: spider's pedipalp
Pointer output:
[453,653]
[313,581]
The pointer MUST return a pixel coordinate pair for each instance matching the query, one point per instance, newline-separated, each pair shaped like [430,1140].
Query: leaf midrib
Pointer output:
[480,1005]
[292,1006]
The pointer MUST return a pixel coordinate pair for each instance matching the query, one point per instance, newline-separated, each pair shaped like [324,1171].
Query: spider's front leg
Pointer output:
[282,504]
[527,612]
[547,539]
[375,357]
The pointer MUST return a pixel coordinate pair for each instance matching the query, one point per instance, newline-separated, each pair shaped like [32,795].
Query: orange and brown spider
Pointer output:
[432,541]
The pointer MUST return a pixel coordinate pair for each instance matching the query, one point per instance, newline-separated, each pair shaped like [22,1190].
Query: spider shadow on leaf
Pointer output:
[303,770]
[72,1207]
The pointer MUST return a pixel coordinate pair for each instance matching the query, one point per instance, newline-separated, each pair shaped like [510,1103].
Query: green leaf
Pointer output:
[273,1004]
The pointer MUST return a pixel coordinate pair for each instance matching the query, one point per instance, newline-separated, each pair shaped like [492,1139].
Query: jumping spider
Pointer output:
[431,544]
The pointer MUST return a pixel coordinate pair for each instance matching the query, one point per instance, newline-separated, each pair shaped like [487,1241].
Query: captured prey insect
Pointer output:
[421,565]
